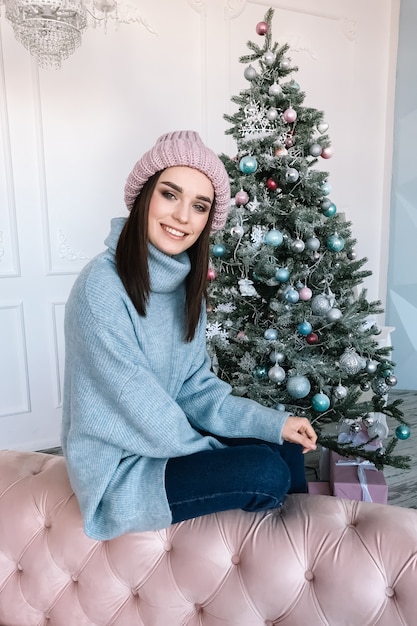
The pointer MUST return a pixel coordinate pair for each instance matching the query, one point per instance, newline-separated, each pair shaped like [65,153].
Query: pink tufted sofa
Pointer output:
[320,561]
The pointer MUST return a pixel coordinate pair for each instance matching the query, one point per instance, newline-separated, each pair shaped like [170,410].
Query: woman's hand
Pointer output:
[299,430]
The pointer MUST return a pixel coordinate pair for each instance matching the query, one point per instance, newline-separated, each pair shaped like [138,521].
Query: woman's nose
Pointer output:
[181,214]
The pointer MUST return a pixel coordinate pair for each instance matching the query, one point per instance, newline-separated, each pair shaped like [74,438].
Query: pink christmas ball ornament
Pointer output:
[211,273]
[262,28]
[327,152]
[241,198]
[305,294]
[290,115]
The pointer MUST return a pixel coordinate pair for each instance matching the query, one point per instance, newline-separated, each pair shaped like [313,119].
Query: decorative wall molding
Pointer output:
[234,8]
[57,315]
[9,197]
[67,252]
[14,369]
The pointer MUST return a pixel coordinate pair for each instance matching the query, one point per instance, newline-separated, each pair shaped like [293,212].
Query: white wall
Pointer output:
[402,284]
[70,137]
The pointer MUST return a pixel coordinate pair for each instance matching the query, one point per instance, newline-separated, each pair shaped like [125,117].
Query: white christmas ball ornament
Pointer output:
[269,57]
[275,89]
[237,231]
[272,114]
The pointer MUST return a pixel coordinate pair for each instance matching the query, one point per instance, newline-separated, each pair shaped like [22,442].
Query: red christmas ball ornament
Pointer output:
[211,273]
[289,142]
[312,339]
[327,153]
[271,184]
[262,28]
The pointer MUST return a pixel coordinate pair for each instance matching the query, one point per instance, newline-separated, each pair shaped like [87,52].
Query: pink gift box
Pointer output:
[355,479]
[319,488]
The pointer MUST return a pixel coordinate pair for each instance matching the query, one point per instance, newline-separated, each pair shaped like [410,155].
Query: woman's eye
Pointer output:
[201,208]
[168,194]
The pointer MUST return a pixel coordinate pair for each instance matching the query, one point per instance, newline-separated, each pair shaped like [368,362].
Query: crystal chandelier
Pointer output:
[51,29]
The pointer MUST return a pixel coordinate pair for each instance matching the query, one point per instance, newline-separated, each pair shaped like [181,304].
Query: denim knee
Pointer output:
[271,477]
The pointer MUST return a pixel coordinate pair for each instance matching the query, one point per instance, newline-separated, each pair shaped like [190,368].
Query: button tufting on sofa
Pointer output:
[319,561]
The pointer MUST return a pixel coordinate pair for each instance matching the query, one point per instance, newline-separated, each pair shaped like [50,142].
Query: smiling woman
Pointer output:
[143,414]
[179,209]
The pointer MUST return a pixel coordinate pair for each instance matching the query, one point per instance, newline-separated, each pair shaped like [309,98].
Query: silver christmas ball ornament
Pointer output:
[276,374]
[313,244]
[250,73]
[368,420]
[276,357]
[320,304]
[350,362]
[371,367]
[297,245]
[333,315]
[340,392]
[380,386]
[355,428]
[391,380]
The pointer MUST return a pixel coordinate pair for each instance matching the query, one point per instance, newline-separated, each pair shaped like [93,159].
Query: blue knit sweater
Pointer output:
[136,394]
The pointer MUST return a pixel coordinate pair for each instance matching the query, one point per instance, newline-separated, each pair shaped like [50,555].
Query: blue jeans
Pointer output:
[248,474]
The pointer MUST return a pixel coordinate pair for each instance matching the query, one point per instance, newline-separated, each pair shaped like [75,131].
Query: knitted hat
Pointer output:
[182,147]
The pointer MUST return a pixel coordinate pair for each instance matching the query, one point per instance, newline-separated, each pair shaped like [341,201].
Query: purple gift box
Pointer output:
[356,479]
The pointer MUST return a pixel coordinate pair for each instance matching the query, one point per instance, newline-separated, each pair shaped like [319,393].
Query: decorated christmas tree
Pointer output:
[289,322]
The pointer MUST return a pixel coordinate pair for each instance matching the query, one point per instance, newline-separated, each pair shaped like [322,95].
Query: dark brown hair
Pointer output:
[132,260]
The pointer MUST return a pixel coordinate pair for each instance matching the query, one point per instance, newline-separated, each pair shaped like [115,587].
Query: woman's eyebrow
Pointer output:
[180,190]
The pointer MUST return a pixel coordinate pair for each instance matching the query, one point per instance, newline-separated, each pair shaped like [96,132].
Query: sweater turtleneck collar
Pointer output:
[166,272]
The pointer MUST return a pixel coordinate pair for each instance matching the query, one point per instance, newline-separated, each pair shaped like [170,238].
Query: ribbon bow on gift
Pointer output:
[362,467]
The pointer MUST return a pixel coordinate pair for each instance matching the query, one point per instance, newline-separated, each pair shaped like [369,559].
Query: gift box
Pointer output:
[356,479]
[319,488]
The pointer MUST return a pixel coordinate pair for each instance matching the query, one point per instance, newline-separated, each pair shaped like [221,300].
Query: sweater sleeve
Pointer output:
[211,406]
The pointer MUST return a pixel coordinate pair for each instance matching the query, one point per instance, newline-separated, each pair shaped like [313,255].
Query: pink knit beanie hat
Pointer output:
[182,147]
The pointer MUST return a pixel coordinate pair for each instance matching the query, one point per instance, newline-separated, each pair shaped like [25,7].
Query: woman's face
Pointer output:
[179,209]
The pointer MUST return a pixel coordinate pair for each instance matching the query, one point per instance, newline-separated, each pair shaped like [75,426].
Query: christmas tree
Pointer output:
[289,323]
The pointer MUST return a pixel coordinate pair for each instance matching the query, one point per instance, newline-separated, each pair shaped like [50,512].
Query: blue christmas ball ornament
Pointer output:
[304,328]
[274,238]
[248,165]
[325,203]
[282,274]
[330,211]
[292,295]
[260,372]
[320,402]
[280,407]
[326,188]
[298,386]
[402,432]
[271,334]
[219,250]
[335,243]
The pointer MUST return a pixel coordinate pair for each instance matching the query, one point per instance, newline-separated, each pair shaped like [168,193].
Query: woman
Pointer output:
[150,434]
